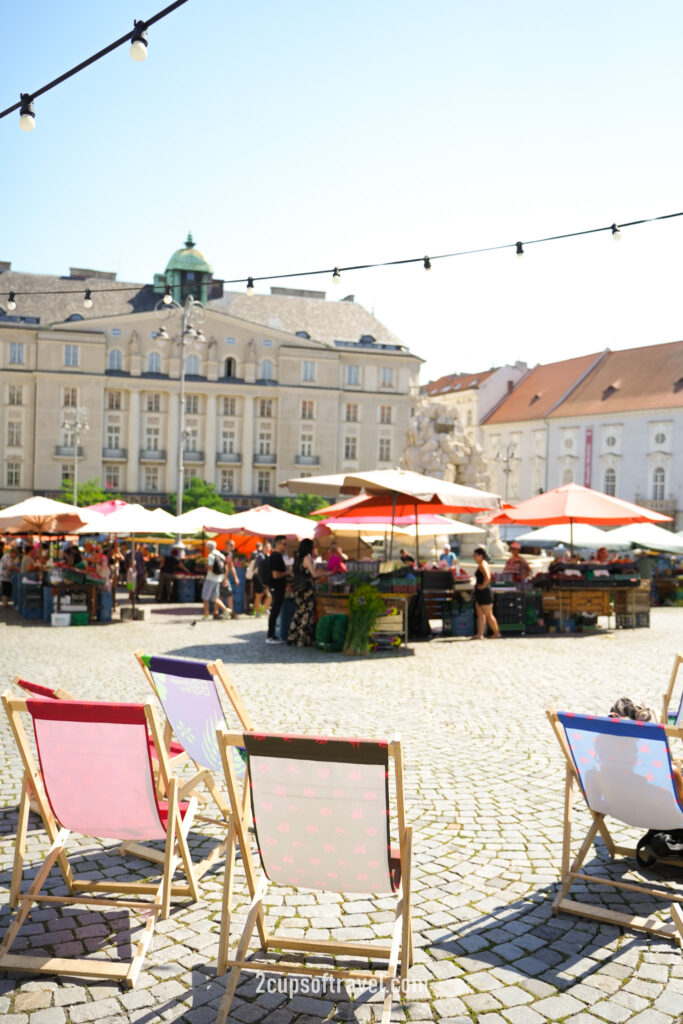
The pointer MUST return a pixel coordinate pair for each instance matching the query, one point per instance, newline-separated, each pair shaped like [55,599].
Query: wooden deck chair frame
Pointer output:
[203,776]
[176,852]
[667,697]
[571,869]
[400,951]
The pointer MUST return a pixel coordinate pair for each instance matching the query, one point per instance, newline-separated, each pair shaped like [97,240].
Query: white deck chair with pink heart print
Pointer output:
[323,821]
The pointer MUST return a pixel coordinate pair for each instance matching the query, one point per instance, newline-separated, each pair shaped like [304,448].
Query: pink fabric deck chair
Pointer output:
[322,818]
[623,769]
[95,778]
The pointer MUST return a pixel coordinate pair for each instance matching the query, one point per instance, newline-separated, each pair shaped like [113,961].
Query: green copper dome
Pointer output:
[189,258]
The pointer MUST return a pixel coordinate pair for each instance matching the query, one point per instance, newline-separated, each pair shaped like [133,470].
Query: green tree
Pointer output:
[199,492]
[300,504]
[89,493]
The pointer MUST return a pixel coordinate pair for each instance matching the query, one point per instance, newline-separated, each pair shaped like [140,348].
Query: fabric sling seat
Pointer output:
[623,769]
[322,819]
[94,777]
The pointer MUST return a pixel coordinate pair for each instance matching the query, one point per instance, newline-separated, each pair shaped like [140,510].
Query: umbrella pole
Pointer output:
[393,517]
[417,539]
[571,537]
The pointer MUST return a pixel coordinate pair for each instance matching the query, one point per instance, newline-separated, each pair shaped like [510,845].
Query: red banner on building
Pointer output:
[588,458]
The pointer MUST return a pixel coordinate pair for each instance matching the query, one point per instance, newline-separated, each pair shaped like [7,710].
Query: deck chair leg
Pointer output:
[578,861]
[226,913]
[397,942]
[406,939]
[169,857]
[29,899]
[255,911]
[567,824]
[677,918]
[20,843]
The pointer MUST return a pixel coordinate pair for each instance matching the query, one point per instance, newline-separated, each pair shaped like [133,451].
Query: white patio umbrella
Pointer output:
[196,519]
[584,536]
[136,519]
[264,521]
[643,535]
[397,482]
[41,515]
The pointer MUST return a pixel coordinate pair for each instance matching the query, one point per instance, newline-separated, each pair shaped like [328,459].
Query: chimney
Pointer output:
[5,265]
[511,386]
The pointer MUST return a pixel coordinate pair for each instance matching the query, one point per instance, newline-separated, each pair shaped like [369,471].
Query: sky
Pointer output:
[303,135]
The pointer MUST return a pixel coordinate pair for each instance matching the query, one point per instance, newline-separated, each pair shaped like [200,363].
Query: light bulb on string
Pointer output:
[11,303]
[168,297]
[336,276]
[162,334]
[87,300]
[138,41]
[27,116]
[427,263]
[616,233]
[520,249]
[250,286]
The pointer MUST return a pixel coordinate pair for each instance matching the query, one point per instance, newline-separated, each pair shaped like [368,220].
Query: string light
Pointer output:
[138,51]
[616,233]
[336,276]
[138,41]
[427,263]
[27,115]
[168,297]
[250,286]
[520,249]
[87,301]
[11,304]
[162,334]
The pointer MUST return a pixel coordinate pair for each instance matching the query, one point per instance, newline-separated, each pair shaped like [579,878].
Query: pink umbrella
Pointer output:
[106,507]
[265,521]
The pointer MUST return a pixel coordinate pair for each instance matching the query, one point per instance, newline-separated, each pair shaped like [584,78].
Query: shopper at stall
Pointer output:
[483,598]
[306,572]
[134,566]
[336,561]
[447,556]
[277,575]
[172,564]
[256,572]
[230,577]
[517,566]
[216,573]
[9,564]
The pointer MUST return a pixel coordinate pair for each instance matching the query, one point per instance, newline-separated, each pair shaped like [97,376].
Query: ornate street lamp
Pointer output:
[75,421]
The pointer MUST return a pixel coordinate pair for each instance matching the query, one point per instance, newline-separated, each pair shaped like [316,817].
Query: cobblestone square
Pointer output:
[483,780]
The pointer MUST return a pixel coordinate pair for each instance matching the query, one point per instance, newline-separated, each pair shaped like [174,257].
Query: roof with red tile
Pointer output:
[543,387]
[633,379]
[455,382]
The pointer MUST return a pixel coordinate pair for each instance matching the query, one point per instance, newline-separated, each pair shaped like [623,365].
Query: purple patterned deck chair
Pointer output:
[188,691]
[675,718]
[623,769]
[322,818]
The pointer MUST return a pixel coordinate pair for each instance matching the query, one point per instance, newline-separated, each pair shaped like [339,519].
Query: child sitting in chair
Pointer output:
[638,711]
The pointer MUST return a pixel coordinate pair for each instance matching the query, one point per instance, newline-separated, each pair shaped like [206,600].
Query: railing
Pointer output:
[192,455]
[234,458]
[307,460]
[152,455]
[265,460]
[666,507]
[115,454]
[67,451]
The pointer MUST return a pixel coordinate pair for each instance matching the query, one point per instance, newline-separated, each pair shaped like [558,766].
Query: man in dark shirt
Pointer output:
[278,578]
[171,565]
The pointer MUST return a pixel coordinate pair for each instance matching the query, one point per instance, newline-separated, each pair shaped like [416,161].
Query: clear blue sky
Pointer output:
[292,136]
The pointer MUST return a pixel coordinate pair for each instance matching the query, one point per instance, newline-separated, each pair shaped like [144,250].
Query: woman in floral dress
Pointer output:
[302,626]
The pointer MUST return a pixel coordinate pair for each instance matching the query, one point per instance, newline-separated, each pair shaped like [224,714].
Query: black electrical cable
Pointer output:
[95,57]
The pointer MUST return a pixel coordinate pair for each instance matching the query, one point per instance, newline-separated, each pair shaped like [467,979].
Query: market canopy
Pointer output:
[137,519]
[584,536]
[106,507]
[643,535]
[426,526]
[573,503]
[394,482]
[389,506]
[41,515]
[264,521]
[195,520]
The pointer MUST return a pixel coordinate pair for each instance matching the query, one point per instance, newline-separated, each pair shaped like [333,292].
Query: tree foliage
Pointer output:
[300,504]
[90,492]
[199,492]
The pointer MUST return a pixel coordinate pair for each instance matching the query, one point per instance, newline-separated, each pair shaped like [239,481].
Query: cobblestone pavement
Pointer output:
[483,787]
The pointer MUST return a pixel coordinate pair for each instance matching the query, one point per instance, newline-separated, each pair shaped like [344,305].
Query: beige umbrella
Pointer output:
[41,515]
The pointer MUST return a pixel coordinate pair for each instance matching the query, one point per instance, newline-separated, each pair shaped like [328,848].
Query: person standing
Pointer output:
[517,566]
[277,573]
[302,627]
[171,565]
[216,573]
[230,570]
[483,598]
[257,567]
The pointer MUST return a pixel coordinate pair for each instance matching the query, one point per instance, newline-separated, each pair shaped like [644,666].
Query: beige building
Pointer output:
[286,384]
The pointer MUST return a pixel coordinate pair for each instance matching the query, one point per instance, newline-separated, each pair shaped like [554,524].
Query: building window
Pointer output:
[16,395]
[112,477]
[152,439]
[67,473]
[115,361]
[265,408]
[152,478]
[266,370]
[385,414]
[192,403]
[568,477]
[153,363]
[230,368]
[68,437]
[191,473]
[113,399]
[70,398]
[353,375]
[192,366]
[308,370]
[16,352]
[14,434]
[658,484]
[228,441]
[350,447]
[384,449]
[469,417]
[153,403]
[569,443]
[610,482]
[610,441]
[71,355]
[192,439]
[307,410]
[660,438]
[306,444]
[229,406]
[264,443]
[113,435]
[263,481]
[13,474]
[351,413]
[227,481]
[386,377]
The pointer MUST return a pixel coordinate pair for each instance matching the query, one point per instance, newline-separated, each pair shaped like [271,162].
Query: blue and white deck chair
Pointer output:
[623,769]
[189,693]
[668,717]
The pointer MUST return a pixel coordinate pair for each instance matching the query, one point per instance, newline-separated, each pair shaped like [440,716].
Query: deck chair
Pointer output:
[95,778]
[667,717]
[321,814]
[188,691]
[623,769]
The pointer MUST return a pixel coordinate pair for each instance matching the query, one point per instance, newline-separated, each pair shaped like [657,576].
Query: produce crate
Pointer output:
[511,628]
[460,624]
[626,621]
[60,619]
[79,618]
[32,614]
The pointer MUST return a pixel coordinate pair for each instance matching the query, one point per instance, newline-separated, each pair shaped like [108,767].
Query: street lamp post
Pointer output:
[75,420]
[192,315]
[506,456]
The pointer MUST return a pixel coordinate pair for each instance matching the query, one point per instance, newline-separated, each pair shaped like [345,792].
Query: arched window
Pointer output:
[230,368]
[115,359]
[266,370]
[568,477]
[153,363]
[658,484]
[610,482]
[192,366]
